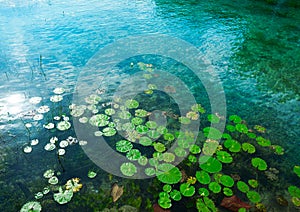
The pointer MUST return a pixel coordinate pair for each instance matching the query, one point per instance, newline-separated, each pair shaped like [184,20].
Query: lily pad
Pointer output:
[187,190]
[180,152]
[253,183]
[167,188]
[226,180]
[213,118]
[232,145]
[63,196]
[294,191]
[296,170]
[142,129]
[109,131]
[228,192]
[215,187]
[143,160]
[92,174]
[247,147]
[128,169]
[137,120]
[168,173]
[169,137]
[203,177]
[235,118]
[151,124]
[145,141]
[53,180]
[195,149]
[198,108]
[175,195]
[49,173]
[131,104]
[164,200]
[133,154]
[210,164]
[242,128]
[33,206]
[168,157]
[63,125]
[184,120]
[259,163]
[212,133]
[263,142]
[150,171]
[153,134]
[203,192]
[159,147]
[123,146]
[242,186]
[224,157]
[253,196]
[141,113]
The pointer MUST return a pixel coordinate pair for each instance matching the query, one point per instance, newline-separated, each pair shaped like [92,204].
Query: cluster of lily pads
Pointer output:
[145,143]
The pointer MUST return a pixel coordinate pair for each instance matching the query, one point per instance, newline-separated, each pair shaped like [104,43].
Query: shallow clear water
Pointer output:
[253,47]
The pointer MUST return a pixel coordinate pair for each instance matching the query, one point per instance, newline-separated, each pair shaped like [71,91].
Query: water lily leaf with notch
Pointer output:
[33,206]
[247,147]
[164,200]
[192,158]
[294,191]
[210,146]
[184,120]
[133,154]
[151,124]
[253,183]
[168,173]
[153,134]
[91,174]
[143,160]
[150,171]
[109,111]
[162,130]
[232,145]
[63,196]
[180,152]
[224,157]
[296,170]
[109,131]
[124,114]
[203,177]
[203,192]
[137,120]
[141,113]
[210,164]
[259,163]
[128,169]
[131,104]
[213,118]
[169,137]
[278,150]
[187,190]
[263,142]
[195,149]
[142,129]
[235,118]
[123,146]
[99,120]
[242,186]
[215,187]
[212,133]
[145,141]
[296,201]
[253,196]
[242,128]
[159,147]
[226,180]
[228,192]
[168,157]
[167,188]
[230,128]
[175,195]
[198,108]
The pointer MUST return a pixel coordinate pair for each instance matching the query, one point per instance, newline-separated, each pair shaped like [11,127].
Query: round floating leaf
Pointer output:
[224,157]
[164,200]
[195,149]
[109,131]
[145,141]
[49,147]
[212,133]
[33,206]
[49,173]
[128,169]
[63,125]
[133,154]
[175,195]
[123,146]
[253,183]
[168,173]
[198,108]
[203,177]
[296,170]
[150,171]
[230,128]
[232,145]
[63,196]
[210,146]
[169,137]
[187,190]
[192,158]
[141,113]
[124,114]
[137,120]
[242,186]
[260,129]
[213,118]
[180,152]
[99,120]
[210,164]
[226,180]
[142,129]
[294,191]
[192,115]
[159,147]
[153,134]
[242,210]
[151,124]
[253,196]
[184,120]
[227,191]
[278,150]
[296,201]
[167,188]
[128,126]
[247,147]
[162,130]
[92,174]
[109,111]
[235,118]
[53,180]
[259,163]
[132,104]
[168,157]
[214,187]
[263,142]
[251,135]
[203,192]
[143,160]
[242,128]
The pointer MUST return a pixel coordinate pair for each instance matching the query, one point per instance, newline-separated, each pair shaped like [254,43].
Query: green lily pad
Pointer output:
[226,180]
[159,147]
[187,190]
[92,174]
[260,129]
[109,131]
[99,120]
[230,128]
[184,120]
[224,157]
[253,196]
[232,145]
[195,149]
[215,187]
[151,124]
[153,134]
[296,201]
[203,192]
[53,180]
[33,206]
[150,171]
[142,129]
[124,114]
[192,158]
[167,188]
[131,104]
[242,128]
[63,125]
[123,146]
[133,154]
[63,196]
[145,141]
[49,173]
[278,150]
[164,200]
[180,152]
[175,195]
[213,118]
[251,135]
[137,120]
[294,191]
[247,147]
[168,173]
[235,118]
[203,177]
[212,133]
[296,170]
[109,111]
[198,108]
[210,164]
[128,169]
[228,192]
[259,163]
[253,183]
[141,113]
[169,137]
[210,146]
[242,186]
[143,160]
[263,142]
[168,157]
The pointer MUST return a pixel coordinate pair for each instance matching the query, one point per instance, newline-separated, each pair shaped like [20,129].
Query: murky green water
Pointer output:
[253,47]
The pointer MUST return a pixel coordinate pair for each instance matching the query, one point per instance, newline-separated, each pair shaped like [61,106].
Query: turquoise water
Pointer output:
[253,47]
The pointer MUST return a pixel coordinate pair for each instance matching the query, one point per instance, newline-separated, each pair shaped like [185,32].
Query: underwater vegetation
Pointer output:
[200,169]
